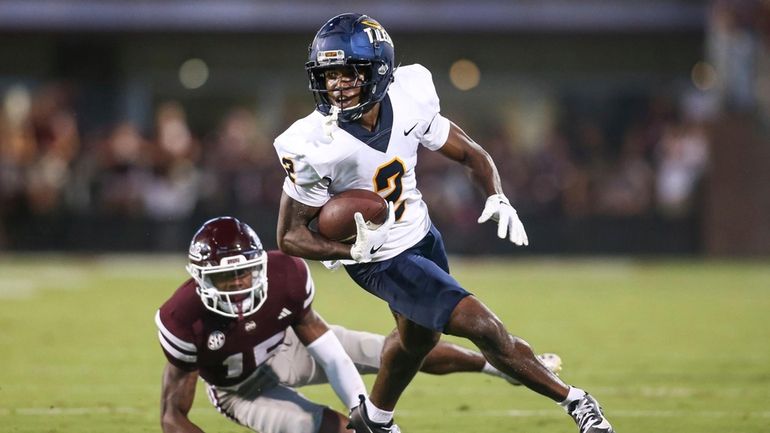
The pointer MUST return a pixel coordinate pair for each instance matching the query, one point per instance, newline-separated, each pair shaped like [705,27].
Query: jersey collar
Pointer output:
[379,137]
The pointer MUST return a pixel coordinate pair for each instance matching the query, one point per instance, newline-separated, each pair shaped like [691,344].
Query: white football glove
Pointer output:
[370,240]
[498,208]
[331,265]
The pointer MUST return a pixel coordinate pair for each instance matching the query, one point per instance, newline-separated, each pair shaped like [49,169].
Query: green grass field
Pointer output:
[667,346]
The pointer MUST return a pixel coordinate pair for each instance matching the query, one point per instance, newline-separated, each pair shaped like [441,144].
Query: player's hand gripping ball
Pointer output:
[336,222]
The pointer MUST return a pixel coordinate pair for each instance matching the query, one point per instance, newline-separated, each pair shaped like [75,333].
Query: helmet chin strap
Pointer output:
[240,311]
[237,307]
[331,122]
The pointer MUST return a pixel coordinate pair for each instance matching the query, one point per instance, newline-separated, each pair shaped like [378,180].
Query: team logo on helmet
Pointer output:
[216,340]
[376,32]
[371,23]
[198,251]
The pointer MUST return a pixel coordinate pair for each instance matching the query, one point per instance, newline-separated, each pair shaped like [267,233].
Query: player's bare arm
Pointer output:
[295,237]
[461,148]
[177,395]
[310,327]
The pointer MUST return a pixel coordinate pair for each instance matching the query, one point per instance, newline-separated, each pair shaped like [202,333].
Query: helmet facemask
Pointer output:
[368,86]
[236,287]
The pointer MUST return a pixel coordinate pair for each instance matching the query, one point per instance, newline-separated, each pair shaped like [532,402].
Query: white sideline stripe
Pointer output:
[189,347]
[53,411]
[613,414]
[37,411]
[17,290]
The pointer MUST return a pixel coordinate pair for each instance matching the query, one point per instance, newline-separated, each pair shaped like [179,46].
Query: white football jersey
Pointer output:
[323,160]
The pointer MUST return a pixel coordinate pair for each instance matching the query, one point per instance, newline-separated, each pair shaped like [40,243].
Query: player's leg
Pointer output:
[278,409]
[294,366]
[512,355]
[422,296]
[447,358]
[365,348]
[402,355]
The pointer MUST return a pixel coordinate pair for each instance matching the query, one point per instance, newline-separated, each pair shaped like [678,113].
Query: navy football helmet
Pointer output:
[361,43]
[229,265]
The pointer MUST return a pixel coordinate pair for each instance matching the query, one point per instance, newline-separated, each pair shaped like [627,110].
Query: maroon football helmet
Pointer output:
[230,266]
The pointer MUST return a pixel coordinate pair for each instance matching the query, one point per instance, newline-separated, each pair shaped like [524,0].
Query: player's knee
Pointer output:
[420,347]
[489,332]
[520,346]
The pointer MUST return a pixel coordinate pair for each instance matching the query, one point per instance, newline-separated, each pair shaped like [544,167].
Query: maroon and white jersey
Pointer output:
[225,351]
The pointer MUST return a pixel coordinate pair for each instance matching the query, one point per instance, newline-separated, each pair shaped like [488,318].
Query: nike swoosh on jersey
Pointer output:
[406,132]
[427,130]
[374,250]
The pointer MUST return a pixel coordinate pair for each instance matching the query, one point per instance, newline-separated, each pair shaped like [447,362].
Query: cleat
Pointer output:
[588,416]
[360,422]
[551,361]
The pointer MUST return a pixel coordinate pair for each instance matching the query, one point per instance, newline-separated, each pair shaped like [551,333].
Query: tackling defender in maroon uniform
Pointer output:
[253,343]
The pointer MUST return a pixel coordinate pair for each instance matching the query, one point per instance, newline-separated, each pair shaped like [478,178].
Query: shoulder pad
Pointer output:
[417,82]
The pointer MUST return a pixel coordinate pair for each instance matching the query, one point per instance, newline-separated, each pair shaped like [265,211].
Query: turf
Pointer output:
[672,346]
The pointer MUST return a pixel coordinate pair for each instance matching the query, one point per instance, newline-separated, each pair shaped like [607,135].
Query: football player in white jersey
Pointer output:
[369,122]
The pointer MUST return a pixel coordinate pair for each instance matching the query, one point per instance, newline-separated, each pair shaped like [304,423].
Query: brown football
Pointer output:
[335,221]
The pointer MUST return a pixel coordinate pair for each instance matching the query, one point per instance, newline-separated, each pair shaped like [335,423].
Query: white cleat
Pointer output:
[588,416]
[551,361]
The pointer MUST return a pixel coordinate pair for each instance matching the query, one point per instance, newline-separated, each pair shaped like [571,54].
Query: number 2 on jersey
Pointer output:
[288,165]
[388,179]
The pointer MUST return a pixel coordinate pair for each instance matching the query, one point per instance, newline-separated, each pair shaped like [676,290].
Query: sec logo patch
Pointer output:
[216,340]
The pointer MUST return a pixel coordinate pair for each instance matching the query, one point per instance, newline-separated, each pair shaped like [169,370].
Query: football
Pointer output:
[335,221]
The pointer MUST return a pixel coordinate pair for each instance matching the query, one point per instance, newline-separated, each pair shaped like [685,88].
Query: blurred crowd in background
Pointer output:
[642,157]
[653,164]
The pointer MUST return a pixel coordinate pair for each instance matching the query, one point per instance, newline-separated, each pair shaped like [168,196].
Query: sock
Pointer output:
[574,394]
[376,414]
[491,370]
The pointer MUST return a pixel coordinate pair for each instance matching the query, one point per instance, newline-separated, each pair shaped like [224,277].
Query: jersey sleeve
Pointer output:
[303,182]
[437,132]
[176,344]
[304,298]
[290,284]
[300,289]
[418,82]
